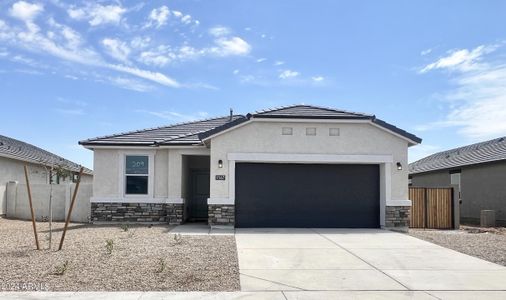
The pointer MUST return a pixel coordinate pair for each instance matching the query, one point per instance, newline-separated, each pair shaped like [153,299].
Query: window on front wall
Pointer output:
[136,174]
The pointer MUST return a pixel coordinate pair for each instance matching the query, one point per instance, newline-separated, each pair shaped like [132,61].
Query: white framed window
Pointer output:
[136,176]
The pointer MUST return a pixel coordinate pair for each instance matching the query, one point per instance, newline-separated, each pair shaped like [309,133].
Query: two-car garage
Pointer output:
[307,195]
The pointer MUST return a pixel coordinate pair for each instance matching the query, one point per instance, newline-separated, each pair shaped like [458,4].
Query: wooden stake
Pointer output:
[71,207]
[31,208]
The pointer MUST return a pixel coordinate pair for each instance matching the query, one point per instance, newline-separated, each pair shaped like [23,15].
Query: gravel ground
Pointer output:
[142,258]
[485,243]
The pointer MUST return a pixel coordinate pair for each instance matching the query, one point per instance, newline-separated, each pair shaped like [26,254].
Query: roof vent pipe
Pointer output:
[231,114]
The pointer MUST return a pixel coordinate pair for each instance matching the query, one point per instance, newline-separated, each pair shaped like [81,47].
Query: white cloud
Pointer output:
[279,63]
[154,58]
[130,84]
[187,19]
[160,16]
[231,46]
[116,49]
[73,112]
[97,14]
[176,116]
[219,31]
[149,75]
[72,102]
[140,42]
[235,72]
[288,74]
[477,103]
[261,60]
[25,11]
[462,60]
[317,78]
[426,52]
[66,45]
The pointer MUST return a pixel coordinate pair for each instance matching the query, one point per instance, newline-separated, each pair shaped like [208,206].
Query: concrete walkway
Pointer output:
[362,260]
[278,295]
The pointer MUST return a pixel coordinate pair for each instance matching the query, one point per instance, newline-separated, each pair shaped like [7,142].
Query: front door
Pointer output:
[199,193]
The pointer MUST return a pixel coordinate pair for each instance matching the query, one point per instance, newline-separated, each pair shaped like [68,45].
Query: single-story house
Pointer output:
[478,171]
[14,155]
[294,166]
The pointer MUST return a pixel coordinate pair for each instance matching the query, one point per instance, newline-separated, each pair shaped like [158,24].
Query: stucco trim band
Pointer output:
[398,202]
[128,200]
[220,201]
[310,158]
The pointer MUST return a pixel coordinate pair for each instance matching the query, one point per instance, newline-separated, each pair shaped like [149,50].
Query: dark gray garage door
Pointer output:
[304,195]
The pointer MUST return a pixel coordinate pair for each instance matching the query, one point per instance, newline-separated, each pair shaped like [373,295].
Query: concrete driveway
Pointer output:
[366,261]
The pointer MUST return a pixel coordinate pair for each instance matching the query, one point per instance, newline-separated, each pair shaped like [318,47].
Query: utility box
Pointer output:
[487,218]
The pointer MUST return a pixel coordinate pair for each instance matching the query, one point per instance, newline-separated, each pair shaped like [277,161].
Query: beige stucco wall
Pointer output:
[106,173]
[266,137]
[167,174]
[12,170]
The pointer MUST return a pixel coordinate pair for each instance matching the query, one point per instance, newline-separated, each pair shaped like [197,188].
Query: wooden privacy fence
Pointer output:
[431,208]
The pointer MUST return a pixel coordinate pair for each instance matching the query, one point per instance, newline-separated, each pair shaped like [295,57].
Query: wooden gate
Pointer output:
[431,207]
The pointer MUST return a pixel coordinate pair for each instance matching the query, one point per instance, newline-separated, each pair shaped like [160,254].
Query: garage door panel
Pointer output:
[302,195]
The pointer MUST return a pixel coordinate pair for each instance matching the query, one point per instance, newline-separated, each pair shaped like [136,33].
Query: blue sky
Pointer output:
[70,71]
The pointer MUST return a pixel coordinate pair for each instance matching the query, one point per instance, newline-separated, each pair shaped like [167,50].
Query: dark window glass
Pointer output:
[136,164]
[137,185]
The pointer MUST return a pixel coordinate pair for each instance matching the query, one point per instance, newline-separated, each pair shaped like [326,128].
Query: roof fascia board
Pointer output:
[306,120]
[410,141]
[226,130]
[119,147]
[260,116]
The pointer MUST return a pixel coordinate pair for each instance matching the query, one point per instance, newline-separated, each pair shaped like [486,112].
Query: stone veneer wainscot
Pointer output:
[134,212]
[221,214]
[397,218]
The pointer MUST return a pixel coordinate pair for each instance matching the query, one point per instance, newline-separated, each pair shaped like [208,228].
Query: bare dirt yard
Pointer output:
[485,243]
[115,258]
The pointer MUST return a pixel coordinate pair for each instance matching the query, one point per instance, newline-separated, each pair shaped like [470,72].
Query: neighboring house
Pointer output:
[295,166]
[478,171]
[14,155]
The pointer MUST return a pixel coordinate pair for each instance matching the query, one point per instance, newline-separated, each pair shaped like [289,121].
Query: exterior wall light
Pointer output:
[399,166]
[220,164]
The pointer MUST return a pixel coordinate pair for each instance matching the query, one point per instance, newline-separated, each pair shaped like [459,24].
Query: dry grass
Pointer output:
[141,258]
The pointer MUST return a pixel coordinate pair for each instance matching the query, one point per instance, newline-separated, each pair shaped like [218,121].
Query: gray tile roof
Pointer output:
[192,133]
[12,148]
[489,151]
[309,111]
[177,134]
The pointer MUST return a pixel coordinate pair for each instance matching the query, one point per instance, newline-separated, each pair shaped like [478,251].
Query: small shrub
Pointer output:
[61,269]
[124,227]
[109,246]
[161,265]
[178,238]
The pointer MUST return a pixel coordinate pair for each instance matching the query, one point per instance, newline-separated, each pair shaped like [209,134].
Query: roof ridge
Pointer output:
[153,128]
[311,106]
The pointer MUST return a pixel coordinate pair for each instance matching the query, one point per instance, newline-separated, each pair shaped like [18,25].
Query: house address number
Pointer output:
[220,177]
